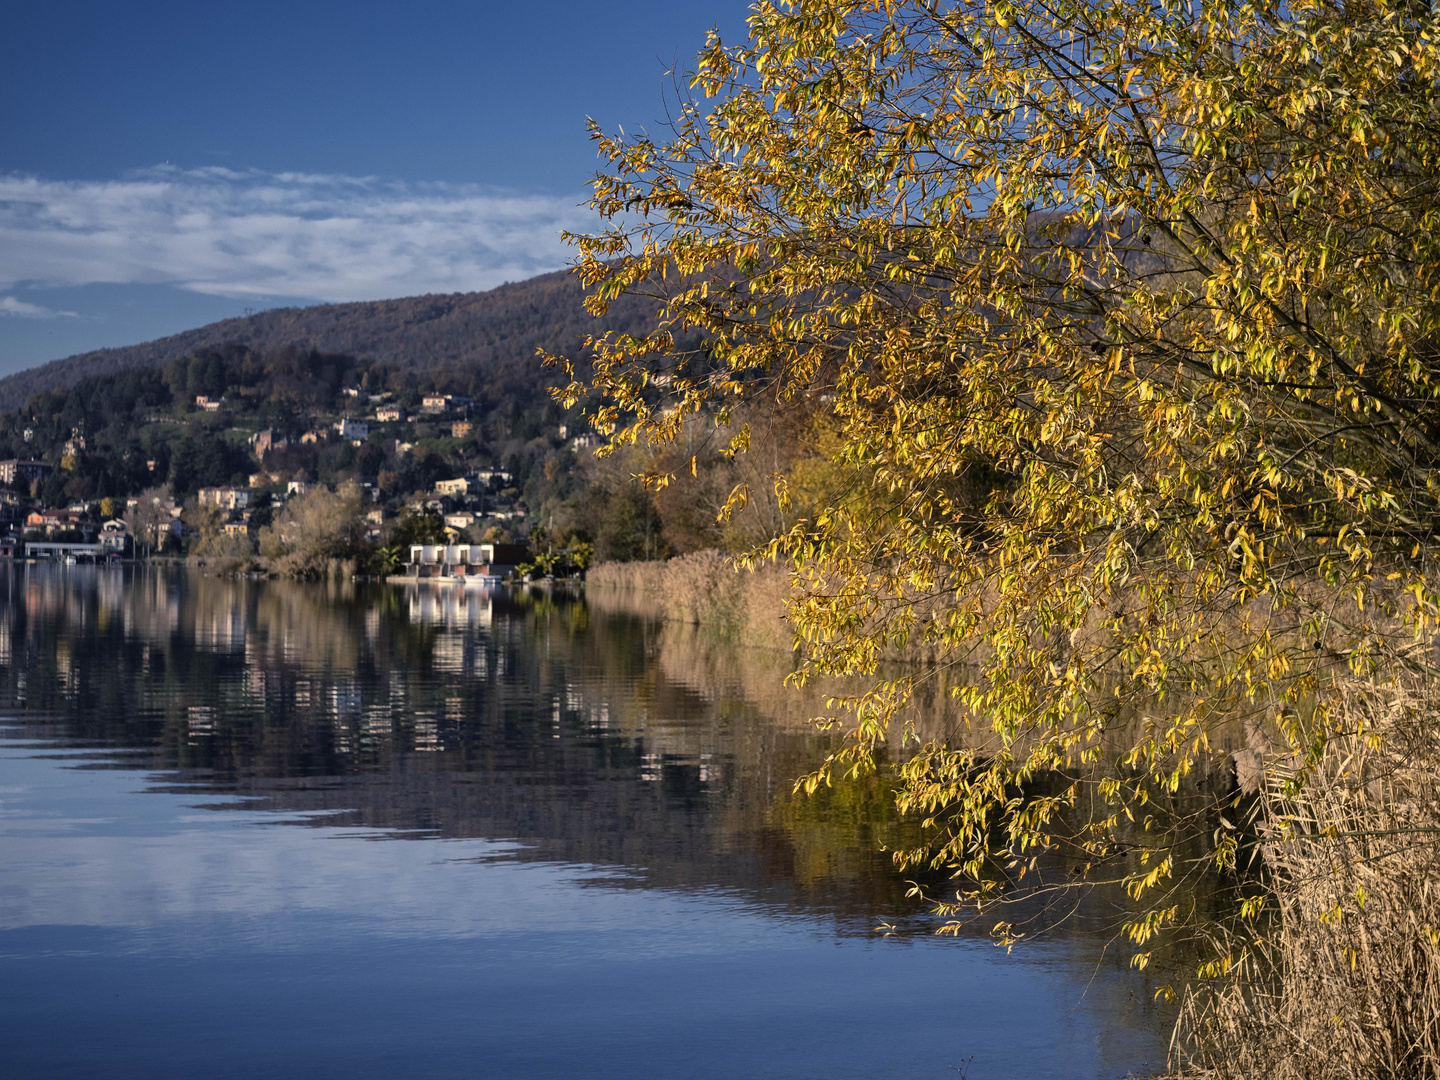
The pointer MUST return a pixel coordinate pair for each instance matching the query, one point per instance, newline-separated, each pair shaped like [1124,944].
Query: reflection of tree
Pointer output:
[592,737]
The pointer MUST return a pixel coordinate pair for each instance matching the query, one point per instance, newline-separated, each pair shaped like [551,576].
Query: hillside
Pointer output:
[496,332]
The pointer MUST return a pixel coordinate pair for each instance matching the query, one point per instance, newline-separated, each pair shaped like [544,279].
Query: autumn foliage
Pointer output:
[1164,275]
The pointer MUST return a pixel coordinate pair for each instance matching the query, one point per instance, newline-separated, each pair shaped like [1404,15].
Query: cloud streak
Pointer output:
[9,305]
[242,234]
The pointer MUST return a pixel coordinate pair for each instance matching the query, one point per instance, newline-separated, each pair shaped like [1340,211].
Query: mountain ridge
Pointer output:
[499,329]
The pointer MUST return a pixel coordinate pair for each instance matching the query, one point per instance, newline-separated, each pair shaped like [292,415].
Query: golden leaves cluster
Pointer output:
[1164,273]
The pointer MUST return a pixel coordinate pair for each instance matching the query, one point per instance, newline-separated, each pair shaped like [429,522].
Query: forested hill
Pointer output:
[496,332]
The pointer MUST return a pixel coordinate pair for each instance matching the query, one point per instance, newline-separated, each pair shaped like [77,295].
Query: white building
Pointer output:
[226,498]
[461,485]
[356,431]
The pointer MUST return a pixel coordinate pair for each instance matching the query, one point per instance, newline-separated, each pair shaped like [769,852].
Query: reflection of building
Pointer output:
[29,470]
[453,608]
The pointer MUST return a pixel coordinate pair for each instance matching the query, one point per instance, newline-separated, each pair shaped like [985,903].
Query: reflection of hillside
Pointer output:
[590,738]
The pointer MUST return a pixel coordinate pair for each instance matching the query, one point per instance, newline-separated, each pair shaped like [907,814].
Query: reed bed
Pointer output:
[1341,978]
[703,588]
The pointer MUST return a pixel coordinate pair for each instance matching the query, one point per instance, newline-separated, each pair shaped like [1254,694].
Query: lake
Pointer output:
[266,829]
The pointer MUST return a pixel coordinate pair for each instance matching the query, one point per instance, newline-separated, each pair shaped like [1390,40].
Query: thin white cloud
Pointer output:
[9,305]
[232,233]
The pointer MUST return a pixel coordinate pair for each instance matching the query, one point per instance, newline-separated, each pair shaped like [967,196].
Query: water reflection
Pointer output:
[588,790]
[459,713]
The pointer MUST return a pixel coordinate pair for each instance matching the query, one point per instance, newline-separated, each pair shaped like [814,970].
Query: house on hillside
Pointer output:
[12,508]
[442,403]
[354,431]
[115,539]
[52,521]
[166,505]
[209,404]
[30,471]
[225,498]
[265,441]
[389,414]
[461,485]
[375,525]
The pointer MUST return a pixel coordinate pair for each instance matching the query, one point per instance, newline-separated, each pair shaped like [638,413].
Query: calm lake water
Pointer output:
[254,829]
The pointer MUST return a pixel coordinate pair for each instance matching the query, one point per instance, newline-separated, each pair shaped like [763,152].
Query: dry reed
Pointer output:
[703,588]
[1342,975]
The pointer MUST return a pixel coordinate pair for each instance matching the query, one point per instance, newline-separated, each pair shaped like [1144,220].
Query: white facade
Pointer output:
[354,430]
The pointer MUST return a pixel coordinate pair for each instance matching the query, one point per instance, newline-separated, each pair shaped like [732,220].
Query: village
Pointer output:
[462,526]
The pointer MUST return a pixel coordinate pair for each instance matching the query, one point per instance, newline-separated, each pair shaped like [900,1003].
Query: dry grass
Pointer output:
[641,577]
[1344,980]
[702,588]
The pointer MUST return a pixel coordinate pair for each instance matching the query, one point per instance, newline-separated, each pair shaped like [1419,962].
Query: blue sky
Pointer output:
[163,165]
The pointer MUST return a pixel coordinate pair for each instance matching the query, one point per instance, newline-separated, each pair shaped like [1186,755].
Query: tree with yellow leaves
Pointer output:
[1167,274]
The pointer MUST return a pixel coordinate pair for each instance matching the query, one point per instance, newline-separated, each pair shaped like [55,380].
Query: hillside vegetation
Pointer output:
[496,332]
[259,407]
